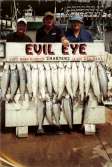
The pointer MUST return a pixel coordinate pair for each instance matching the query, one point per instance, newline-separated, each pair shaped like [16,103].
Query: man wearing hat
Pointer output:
[77,33]
[49,32]
[20,34]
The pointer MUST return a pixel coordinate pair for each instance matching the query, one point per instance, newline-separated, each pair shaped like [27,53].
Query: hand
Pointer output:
[65,42]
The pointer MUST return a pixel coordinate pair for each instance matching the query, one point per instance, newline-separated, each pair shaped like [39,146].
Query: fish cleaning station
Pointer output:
[48,84]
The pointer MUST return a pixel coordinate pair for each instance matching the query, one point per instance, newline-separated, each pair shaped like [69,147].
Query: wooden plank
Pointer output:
[72,150]
[105,137]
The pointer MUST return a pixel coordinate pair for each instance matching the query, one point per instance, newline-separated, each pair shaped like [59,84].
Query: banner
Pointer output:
[54,52]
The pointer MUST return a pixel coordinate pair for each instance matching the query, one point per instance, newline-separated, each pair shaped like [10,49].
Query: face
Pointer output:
[76,25]
[21,28]
[48,21]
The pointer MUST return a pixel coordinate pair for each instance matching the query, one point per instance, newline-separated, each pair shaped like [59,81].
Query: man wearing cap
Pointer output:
[20,34]
[49,32]
[77,33]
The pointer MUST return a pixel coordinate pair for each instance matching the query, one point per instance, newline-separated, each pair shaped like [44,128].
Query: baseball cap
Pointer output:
[22,20]
[48,14]
[76,18]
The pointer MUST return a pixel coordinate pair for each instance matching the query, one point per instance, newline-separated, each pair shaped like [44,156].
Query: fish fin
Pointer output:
[21,99]
[11,100]
[30,96]
[33,99]
[3,98]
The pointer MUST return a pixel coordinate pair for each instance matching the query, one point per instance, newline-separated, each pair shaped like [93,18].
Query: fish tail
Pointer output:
[22,98]
[11,100]
[30,96]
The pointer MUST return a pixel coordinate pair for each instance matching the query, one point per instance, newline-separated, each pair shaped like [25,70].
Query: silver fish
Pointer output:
[22,81]
[103,80]
[61,79]
[49,111]
[68,79]
[48,78]
[95,82]
[81,81]
[75,78]
[5,80]
[54,77]
[56,113]
[42,81]
[56,110]
[28,80]
[35,81]
[14,79]
[66,104]
[40,115]
[87,78]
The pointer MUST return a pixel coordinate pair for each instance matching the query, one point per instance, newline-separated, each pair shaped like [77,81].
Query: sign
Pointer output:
[54,52]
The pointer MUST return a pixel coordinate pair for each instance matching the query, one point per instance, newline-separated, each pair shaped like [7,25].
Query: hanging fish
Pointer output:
[66,103]
[95,82]
[14,82]
[28,80]
[103,80]
[87,78]
[68,79]
[75,78]
[5,80]
[35,80]
[40,115]
[54,77]
[49,111]
[22,81]
[42,81]
[56,110]
[81,81]
[48,78]
[61,79]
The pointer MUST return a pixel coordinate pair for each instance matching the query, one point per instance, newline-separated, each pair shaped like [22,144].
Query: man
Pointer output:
[77,33]
[49,32]
[20,34]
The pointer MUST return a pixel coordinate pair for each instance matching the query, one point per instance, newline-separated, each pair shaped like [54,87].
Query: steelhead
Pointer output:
[75,78]
[54,77]
[14,82]
[48,79]
[28,80]
[81,81]
[66,104]
[5,80]
[68,79]
[95,82]
[103,80]
[35,80]
[22,81]
[87,78]
[42,81]
[61,79]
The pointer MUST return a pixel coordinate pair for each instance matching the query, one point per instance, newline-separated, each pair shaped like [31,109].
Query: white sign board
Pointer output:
[54,52]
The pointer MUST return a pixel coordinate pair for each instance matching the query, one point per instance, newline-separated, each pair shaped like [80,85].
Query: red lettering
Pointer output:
[82,49]
[28,49]
[38,48]
[74,48]
[45,49]
[50,52]
[64,50]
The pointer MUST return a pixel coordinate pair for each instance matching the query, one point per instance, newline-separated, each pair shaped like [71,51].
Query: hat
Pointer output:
[22,20]
[76,18]
[49,14]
